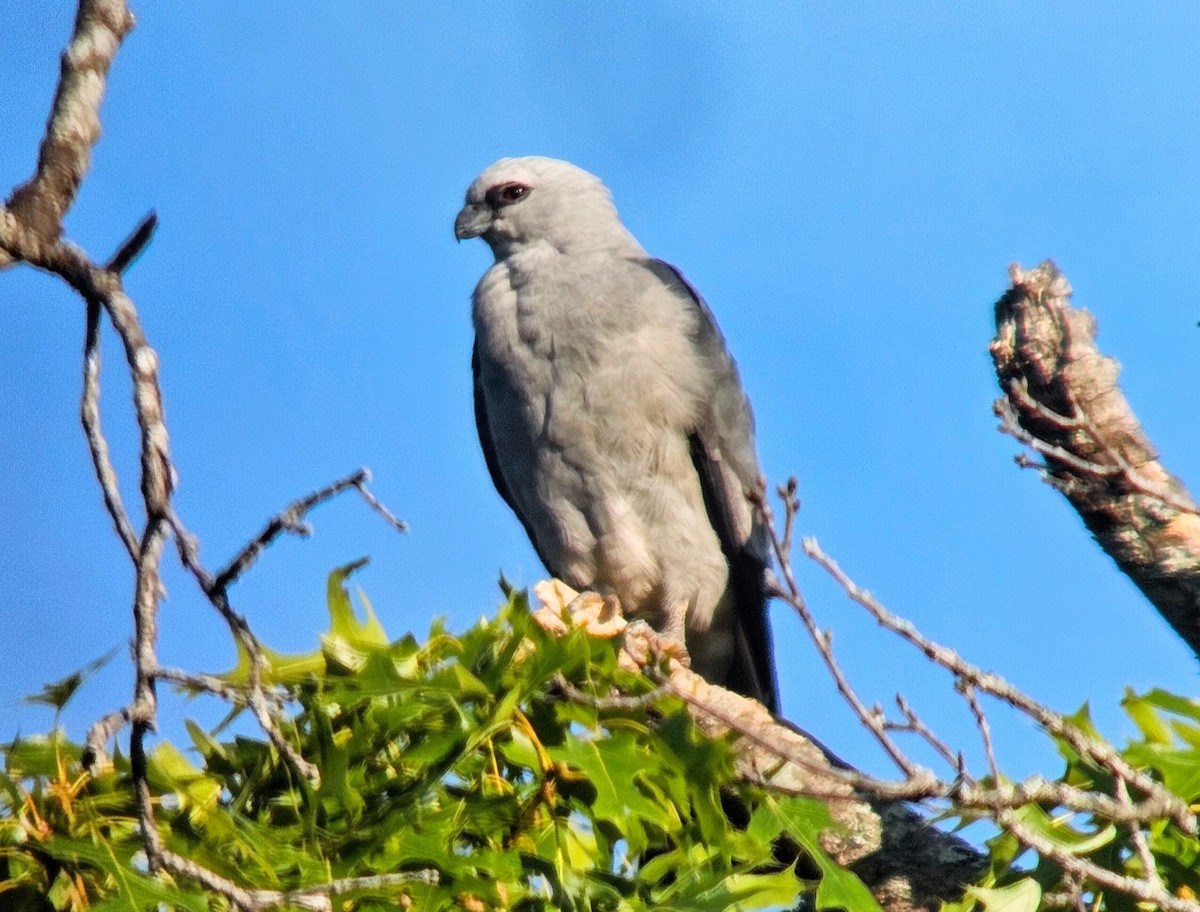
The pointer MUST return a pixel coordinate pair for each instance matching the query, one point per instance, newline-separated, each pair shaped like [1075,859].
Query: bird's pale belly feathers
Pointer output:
[595,440]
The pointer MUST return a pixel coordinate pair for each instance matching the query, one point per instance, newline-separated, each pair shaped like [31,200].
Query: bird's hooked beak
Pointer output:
[472,220]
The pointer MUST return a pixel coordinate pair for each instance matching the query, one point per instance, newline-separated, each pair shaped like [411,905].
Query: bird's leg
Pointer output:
[674,628]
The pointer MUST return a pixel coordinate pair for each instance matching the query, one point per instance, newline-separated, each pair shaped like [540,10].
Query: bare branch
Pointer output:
[394,521]
[134,245]
[823,639]
[1139,840]
[203,683]
[290,519]
[95,744]
[1140,890]
[612,701]
[267,717]
[89,414]
[1062,399]
[254,696]
[74,123]
[912,723]
[985,730]
[993,684]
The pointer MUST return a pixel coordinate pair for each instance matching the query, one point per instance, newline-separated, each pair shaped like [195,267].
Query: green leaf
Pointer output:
[705,765]
[59,693]
[278,667]
[1187,707]
[1023,896]
[777,890]
[1179,768]
[615,765]
[1144,714]
[40,755]
[344,623]
[1060,832]
[805,819]
[134,889]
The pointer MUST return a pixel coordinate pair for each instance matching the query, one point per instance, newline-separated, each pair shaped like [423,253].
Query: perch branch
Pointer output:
[907,863]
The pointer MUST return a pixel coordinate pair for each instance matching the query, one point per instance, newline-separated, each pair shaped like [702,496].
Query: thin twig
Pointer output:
[254,696]
[1139,839]
[613,701]
[912,723]
[203,683]
[981,723]
[89,414]
[373,502]
[1119,467]
[823,639]
[1071,898]
[990,683]
[134,245]
[290,519]
[1003,409]
[1135,479]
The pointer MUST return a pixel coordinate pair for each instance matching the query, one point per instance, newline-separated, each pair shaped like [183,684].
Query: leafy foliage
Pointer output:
[476,758]
[460,755]
[1169,749]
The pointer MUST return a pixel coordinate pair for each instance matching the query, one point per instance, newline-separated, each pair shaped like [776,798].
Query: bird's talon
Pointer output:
[671,648]
[599,614]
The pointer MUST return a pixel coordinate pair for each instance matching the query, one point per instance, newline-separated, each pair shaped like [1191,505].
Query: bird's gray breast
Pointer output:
[591,386]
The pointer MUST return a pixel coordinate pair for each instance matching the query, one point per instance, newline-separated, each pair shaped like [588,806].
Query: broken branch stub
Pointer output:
[1062,400]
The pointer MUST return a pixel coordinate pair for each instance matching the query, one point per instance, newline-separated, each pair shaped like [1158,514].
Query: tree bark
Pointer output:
[907,863]
[1062,399]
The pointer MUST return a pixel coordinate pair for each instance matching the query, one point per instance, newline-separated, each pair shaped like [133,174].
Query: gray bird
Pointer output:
[613,420]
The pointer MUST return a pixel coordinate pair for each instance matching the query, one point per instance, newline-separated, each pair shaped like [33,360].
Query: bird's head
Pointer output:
[519,202]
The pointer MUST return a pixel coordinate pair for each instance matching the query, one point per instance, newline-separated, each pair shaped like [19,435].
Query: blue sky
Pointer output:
[846,184]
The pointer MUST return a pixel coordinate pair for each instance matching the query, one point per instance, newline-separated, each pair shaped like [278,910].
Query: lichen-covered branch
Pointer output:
[30,232]
[89,414]
[74,123]
[1063,401]
[907,863]
[1124,795]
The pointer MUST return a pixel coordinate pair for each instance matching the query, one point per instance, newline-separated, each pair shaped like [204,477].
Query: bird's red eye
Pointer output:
[506,194]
